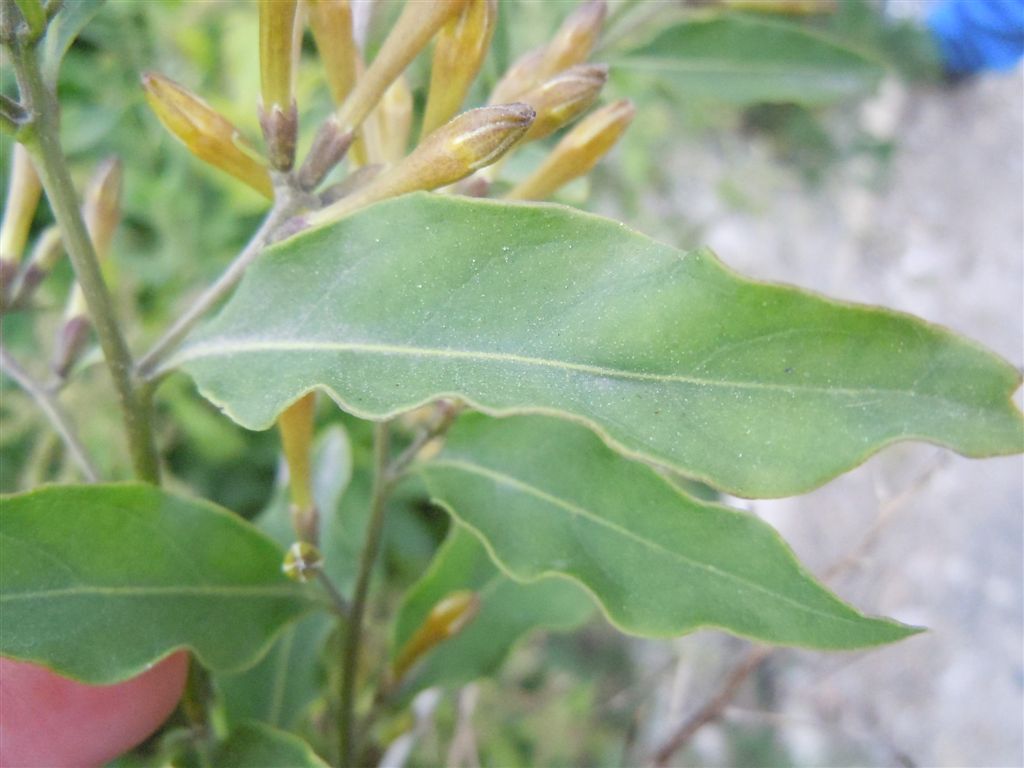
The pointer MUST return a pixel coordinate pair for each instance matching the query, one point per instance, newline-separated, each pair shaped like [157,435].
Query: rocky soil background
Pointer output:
[916,533]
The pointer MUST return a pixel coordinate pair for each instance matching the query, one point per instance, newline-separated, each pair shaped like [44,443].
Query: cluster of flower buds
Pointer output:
[20,278]
[544,91]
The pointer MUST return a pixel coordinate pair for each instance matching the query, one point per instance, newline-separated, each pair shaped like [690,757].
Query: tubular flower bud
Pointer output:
[279,48]
[47,251]
[23,190]
[296,425]
[471,141]
[444,621]
[331,21]
[575,39]
[394,123]
[73,334]
[564,97]
[206,133]
[102,207]
[577,152]
[419,21]
[458,55]
[519,78]
[277,52]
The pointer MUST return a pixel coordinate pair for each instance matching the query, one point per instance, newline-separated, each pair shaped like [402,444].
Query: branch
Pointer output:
[43,144]
[283,209]
[354,628]
[51,409]
[715,706]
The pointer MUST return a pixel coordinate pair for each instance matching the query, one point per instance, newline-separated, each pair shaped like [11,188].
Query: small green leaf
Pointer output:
[743,60]
[547,498]
[98,582]
[508,611]
[761,390]
[255,745]
[285,682]
[69,21]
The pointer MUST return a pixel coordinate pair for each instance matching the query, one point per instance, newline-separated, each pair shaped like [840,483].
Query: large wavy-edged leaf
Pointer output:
[758,389]
[743,60]
[547,498]
[98,582]
[508,611]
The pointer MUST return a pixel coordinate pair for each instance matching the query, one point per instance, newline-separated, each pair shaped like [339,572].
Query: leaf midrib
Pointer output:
[197,590]
[205,350]
[595,518]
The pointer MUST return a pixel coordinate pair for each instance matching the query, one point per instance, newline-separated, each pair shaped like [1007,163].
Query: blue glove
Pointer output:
[979,35]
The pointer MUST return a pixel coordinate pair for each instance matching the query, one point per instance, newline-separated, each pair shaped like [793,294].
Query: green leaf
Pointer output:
[547,498]
[255,745]
[286,681]
[758,389]
[508,611]
[69,21]
[742,60]
[98,582]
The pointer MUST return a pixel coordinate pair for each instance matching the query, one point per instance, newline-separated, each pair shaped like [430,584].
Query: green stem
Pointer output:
[382,482]
[43,143]
[286,204]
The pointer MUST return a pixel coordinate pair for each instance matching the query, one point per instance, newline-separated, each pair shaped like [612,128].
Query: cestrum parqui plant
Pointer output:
[542,372]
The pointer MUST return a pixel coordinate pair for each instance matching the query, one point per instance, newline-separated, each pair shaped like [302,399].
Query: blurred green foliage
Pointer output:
[561,700]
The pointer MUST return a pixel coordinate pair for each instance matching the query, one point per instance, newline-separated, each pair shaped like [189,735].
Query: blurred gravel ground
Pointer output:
[943,238]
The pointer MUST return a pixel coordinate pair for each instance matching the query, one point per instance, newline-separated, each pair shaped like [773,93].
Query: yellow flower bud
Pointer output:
[392,123]
[578,151]
[564,97]
[296,425]
[277,52]
[419,21]
[575,39]
[23,191]
[519,78]
[571,45]
[206,133]
[444,621]
[102,206]
[458,55]
[280,43]
[472,140]
[331,21]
